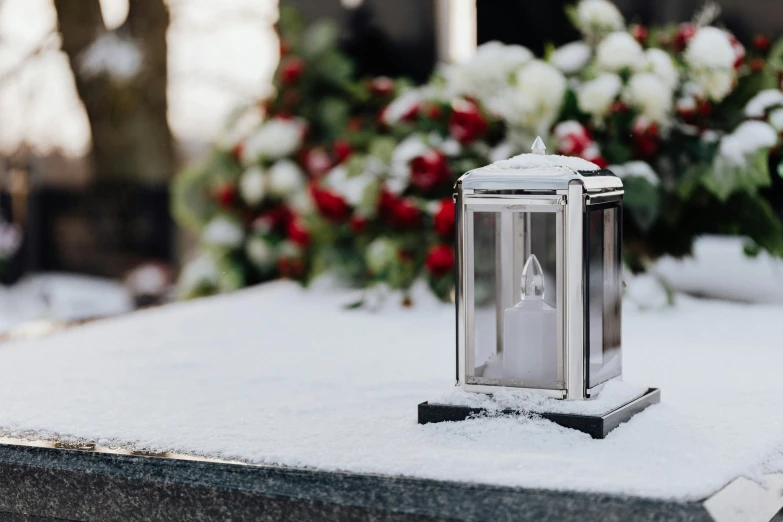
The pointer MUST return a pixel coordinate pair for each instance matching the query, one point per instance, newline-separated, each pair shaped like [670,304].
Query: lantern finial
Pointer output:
[538,146]
[532,279]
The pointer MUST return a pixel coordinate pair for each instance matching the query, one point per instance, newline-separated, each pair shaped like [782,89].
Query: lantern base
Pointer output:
[597,426]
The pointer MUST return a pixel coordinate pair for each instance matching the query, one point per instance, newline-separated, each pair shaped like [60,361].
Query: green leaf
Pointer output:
[726,178]
[318,39]
[334,114]
[356,165]
[382,148]
[780,169]
[642,200]
[691,179]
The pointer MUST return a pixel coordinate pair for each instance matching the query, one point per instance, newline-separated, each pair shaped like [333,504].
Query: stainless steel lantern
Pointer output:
[539,276]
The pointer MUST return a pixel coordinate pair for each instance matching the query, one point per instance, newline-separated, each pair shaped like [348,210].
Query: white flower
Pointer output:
[275,139]
[380,254]
[619,50]
[223,232]
[716,84]
[710,48]
[351,188]
[660,64]
[301,202]
[761,102]
[399,170]
[260,252]
[638,169]
[598,16]
[285,177]
[710,57]
[596,96]
[648,93]
[571,57]
[535,102]
[401,106]
[252,185]
[486,71]
[776,119]
[749,137]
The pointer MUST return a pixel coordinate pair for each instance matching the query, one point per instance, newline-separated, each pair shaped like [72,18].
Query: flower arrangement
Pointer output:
[355,176]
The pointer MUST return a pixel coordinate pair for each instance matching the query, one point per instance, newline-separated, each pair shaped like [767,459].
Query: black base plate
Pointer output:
[597,426]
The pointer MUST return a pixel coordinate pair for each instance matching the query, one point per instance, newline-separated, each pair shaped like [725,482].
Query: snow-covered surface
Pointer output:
[61,297]
[720,269]
[746,139]
[543,161]
[614,395]
[280,376]
[763,101]
[638,169]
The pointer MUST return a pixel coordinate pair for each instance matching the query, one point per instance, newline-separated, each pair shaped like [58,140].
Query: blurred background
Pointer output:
[103,102]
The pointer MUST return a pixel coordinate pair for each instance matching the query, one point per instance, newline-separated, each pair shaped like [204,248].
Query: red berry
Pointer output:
[358,224]
[291,70]
[226,195]
[382,86]
[440,260]
[639,32]
[757,64]
[761,43]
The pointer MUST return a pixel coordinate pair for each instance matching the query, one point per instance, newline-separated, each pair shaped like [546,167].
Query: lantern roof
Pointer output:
[540,171]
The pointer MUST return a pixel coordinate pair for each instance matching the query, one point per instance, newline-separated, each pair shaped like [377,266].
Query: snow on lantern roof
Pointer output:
[539,171]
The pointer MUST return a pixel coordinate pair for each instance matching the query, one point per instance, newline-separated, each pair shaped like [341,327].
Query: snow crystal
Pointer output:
[281,376]
[638,169]
[762,101]
[120,58]
[571,57]
[544,161]
[614,395]
[746,139]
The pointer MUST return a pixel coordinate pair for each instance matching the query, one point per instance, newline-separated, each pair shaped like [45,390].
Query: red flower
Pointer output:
[330,205]
[342,150]
[761,43]
[572,138]
[291,70]
[639,32]
[466,123]
[440,260]
[276,218]
[684,33]
[298,233]
[226,194]
[400,213]
[445,218]
[382,86]
[429,170]
[645,138]
[358,224]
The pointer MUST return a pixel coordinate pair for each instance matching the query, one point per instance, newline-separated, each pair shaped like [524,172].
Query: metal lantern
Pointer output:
[539,285]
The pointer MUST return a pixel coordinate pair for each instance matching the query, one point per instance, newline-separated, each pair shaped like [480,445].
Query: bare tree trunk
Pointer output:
[131,139]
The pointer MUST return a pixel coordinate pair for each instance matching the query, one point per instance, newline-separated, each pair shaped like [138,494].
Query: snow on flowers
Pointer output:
[355,175]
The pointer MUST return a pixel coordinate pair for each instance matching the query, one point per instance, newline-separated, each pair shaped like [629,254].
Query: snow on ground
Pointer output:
[60,297]
[720,269]
[277,375]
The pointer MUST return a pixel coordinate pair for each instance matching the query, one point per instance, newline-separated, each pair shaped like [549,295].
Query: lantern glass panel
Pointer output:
[515,343]
[604,289]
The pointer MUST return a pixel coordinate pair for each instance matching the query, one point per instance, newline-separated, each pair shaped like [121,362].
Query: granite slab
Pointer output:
[60,484]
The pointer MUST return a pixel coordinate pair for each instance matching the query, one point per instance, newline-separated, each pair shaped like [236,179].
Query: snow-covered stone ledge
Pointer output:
[278,376]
